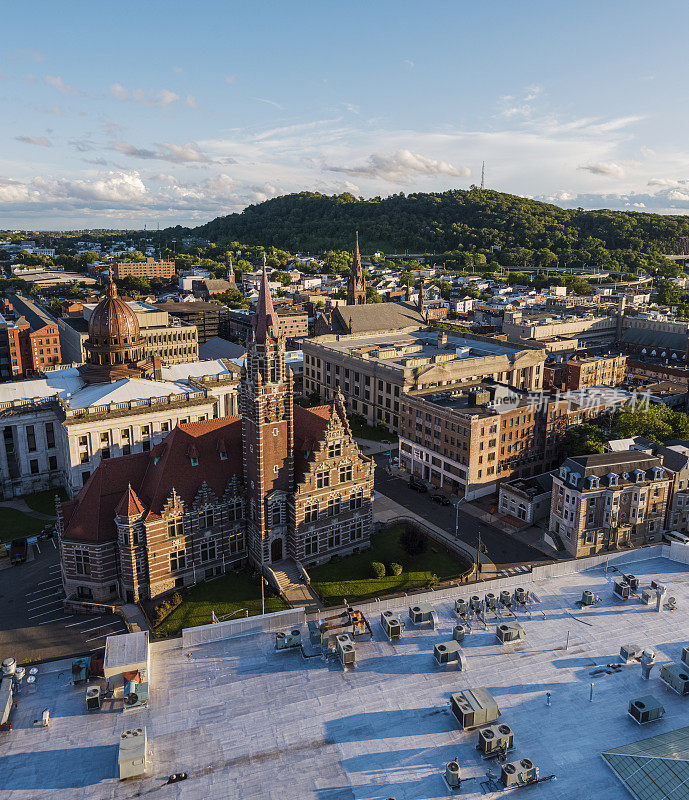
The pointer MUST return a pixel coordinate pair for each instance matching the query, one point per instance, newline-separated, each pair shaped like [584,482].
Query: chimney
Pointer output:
[442,340]
[157,368]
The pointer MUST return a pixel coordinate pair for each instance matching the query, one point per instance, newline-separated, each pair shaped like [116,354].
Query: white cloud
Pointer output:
[269,102]
[402,164]
[57,83]
[191,102]
[408,63]
[162,99]
[608,169]
[230,78]
[178,154]
[41,141]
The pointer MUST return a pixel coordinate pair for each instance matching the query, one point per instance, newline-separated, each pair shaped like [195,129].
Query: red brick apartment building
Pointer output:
[279,481]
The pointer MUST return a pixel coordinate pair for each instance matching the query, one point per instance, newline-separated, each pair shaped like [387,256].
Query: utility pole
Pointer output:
[478,552]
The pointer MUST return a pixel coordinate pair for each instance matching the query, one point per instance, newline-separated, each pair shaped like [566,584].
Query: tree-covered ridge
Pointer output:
[528,232]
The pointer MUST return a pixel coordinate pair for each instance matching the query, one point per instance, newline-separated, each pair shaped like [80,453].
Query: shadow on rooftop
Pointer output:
[69,768]
[386,724]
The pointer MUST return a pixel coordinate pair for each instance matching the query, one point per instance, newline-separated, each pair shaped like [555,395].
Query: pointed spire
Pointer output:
[356,286]
[265,320]
[129,505]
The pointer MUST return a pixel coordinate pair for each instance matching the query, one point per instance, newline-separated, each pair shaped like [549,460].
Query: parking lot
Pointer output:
[34,626]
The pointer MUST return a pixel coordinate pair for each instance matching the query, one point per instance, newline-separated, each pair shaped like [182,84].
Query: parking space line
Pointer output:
[102,636]
[59,619]
[52,580]
[83,622]
[46,602]
[97,628]
[37,548]
[54,545]
[45,613]
[56,568]
[41,599]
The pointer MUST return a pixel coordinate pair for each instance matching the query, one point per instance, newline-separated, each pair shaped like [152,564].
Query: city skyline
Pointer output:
[152,117]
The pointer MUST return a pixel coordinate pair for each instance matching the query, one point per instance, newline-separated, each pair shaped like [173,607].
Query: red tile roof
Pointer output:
[153,476]
[129,505]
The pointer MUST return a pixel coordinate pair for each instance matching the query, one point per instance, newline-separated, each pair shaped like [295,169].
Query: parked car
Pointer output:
[442,499]
[18,551]
[417,485]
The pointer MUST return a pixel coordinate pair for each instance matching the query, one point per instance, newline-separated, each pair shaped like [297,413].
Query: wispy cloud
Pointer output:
[62,86]
[188,153]
[408,63]
[41,141]
[230,78]
[26,55]
[161,99]
[400,165]
[608,169]
[269,102]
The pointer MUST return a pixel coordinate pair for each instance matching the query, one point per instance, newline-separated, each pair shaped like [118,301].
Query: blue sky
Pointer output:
[120,115]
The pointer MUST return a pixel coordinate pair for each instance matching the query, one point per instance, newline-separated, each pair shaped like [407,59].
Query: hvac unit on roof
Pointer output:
[453,775]
[633,582]
[505,598]
[93,698]
[459,632]
[346,650]
[518,773]
[131,757]
[135,695]
[645,709]
[621,590]
[475,603]
[391,625]
[510,631]
[495,737]
[630,652]
[460,607]
[675,677]
[491,601]
[421,613]
[520,595]
[449,653]
[474,707]
[286,641]
[685,656]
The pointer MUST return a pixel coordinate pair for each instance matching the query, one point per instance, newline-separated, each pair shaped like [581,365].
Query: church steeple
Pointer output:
[356,285]
[265,322]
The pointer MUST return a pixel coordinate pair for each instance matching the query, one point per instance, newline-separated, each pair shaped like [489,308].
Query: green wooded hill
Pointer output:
[532,232]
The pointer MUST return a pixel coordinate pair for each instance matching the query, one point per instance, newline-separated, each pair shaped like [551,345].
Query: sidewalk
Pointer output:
[298,594]
[371,448]
[21,505]
[134,616]
[385,510]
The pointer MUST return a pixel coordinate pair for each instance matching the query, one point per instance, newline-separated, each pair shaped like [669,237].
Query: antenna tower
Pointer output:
[483,174]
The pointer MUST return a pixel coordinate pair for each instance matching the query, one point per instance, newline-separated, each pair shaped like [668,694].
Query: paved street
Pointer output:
[502,548]
[33,624]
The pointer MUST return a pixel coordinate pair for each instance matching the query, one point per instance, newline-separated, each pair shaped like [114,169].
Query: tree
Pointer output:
[372,295]
[337,262]
[580,440]
[282,277]
[656,422]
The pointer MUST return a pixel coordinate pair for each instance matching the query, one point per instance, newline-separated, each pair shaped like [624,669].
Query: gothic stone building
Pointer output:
[278,481]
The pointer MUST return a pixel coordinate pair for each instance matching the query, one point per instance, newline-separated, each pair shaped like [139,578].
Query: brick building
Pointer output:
[294,324]
[581,372]
[279,481]
[150,268]
[609,500]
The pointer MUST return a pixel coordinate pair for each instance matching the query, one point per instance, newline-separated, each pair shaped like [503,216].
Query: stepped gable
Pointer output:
[309,428]
[90,516]
[170,462]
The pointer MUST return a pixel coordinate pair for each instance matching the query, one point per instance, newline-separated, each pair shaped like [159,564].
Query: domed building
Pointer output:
[115,347]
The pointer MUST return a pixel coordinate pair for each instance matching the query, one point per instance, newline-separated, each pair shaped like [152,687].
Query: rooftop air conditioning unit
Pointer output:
[131,757]
[510,631]
[588,598]
[458,633]
[286,641]
[135,695]
[93,698]
[518,773]
[475,603]
[685,656]
[621,590]
[645,709]
[449,653]
[345,649]
[474,707]
[520,595]
[453,775]
[460,607]
[421,613]
[491,601]
[391,625]
[676,677]
[505,598]
[648,596]
[633,581]
[630,652]
[657,585]
[494,738]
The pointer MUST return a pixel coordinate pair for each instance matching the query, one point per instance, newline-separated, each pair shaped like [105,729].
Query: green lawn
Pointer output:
[361,430]
[15,525]
[231,592]
[44,502]
[350,577]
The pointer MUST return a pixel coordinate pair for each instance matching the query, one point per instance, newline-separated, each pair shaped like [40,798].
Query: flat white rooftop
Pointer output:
[247,722]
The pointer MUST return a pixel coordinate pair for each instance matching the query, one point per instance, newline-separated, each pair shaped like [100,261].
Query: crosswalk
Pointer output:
[506,573]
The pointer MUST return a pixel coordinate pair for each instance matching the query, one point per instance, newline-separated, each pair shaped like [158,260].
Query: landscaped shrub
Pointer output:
[377,569]
[395,569]
[432,581]
[413,542]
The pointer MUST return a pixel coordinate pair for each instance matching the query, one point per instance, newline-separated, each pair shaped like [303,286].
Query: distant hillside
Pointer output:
[472,220]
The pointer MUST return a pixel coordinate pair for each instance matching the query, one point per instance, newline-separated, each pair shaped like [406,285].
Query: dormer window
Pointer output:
[563,472]
[194,461]
[223,455]
[612,479]
[625,476]
[638,475]
[657,473]
[574,478]
[592,482]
